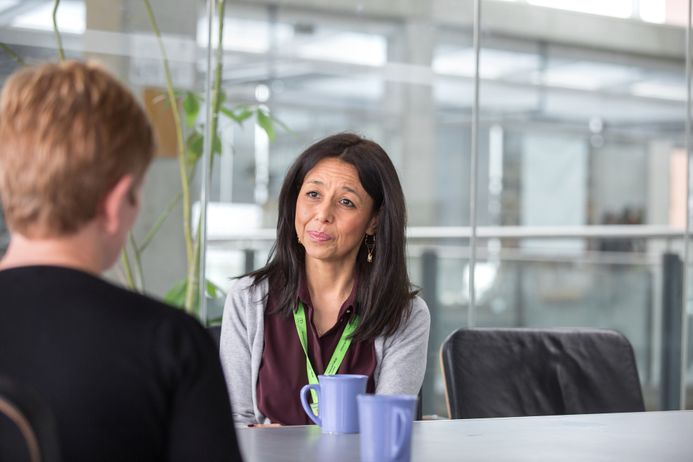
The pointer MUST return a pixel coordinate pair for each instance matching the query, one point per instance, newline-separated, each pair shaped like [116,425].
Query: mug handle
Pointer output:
[399,427]
[304,401]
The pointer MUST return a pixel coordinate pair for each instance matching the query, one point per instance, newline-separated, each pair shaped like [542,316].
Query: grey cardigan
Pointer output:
[400,358]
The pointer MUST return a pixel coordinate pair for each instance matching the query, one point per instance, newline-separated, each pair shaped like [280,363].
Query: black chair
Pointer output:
[215,332]
[419,406]
[522,372]
[28,431]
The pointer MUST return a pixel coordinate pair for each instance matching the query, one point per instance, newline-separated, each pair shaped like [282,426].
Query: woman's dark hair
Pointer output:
[384,292]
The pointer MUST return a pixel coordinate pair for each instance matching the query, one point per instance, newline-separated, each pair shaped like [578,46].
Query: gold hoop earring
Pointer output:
[370,245]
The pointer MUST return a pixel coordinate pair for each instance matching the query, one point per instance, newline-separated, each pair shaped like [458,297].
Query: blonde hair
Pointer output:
[68,133]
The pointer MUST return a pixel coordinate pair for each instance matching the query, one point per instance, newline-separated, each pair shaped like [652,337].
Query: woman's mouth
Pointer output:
[319,236]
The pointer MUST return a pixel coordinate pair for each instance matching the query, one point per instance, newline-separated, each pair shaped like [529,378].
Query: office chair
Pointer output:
[28,431]
[215,332]
[419,406]
[522,372]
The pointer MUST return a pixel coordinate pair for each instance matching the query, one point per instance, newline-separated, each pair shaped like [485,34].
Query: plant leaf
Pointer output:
[227,112]
[281,124]
[265,122]
[240,116]
[214,291]
[243,114]
[214,321]
[191,108]
[195,143]
[216,146]
[176,294]
[211,290]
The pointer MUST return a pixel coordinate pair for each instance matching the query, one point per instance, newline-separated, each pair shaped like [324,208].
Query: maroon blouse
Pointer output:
[283,364]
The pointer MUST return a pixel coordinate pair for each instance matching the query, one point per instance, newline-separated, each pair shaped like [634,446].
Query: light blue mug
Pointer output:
[337,408]
[386,425]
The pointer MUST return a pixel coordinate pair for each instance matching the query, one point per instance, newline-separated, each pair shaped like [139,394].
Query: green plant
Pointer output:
[191,104]
[190,141]
[190,149]
[11,53]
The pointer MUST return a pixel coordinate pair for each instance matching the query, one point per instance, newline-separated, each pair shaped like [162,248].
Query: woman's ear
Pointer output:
[372,225]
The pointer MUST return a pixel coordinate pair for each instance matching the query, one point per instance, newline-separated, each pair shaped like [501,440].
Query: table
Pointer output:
[630,437]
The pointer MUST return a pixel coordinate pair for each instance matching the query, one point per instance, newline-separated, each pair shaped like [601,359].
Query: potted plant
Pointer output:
[193,138]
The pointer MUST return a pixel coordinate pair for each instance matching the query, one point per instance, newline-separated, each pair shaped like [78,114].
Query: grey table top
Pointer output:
[631,437]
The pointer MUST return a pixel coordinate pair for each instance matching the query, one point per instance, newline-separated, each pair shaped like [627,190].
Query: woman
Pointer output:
[337,269]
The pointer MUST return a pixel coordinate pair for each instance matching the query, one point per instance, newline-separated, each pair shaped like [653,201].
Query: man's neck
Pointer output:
[73,251]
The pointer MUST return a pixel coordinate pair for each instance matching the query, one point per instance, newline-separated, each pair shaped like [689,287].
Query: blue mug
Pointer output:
[337,409]
[386,424]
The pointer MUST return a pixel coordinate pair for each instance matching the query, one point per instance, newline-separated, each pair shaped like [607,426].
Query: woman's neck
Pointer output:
[325,279]
[329,285]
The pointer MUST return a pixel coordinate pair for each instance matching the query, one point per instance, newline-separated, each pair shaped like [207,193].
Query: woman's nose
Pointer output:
[324,212]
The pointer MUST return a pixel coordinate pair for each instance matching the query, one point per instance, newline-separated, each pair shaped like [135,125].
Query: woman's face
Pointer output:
[333,212]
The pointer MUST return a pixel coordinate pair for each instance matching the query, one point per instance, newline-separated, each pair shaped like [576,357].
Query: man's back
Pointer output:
[127,377]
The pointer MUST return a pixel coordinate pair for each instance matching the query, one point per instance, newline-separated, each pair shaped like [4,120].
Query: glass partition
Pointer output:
[153,49]
[582,156]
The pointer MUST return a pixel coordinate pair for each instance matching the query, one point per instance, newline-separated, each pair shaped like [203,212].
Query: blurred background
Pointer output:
[582,168]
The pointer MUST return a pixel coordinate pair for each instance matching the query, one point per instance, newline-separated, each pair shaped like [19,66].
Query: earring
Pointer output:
[370,245]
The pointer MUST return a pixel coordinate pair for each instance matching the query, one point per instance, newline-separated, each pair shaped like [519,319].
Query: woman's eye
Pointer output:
[312,194]
[347,202]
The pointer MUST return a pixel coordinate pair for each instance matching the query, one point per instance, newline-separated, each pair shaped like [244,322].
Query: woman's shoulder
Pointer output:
[245,293]
[247,285]
[414,326]
[419,306]
[418,318]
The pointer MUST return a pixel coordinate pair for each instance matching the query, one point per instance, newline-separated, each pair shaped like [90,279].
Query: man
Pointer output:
[128,378]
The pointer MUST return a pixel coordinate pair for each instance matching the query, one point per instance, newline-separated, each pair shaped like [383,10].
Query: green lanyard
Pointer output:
[337,356]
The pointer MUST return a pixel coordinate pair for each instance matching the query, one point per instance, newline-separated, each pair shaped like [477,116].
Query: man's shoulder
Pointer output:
[122,298]
[145,307]
[78,291]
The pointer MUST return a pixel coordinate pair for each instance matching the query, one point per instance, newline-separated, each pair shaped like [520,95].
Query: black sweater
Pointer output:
[128,378]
